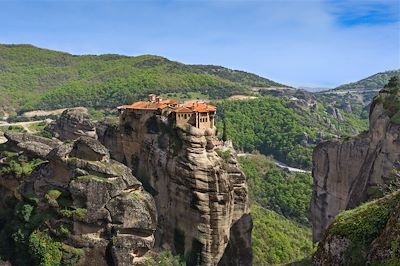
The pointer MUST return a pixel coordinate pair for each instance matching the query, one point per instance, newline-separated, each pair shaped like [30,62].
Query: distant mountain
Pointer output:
[374,82]
[313,89]
[32,78]
[357,96]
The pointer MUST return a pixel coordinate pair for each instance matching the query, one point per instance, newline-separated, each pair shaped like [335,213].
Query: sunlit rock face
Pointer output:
[347,173]
[202,199]
[112,218]
[72,124]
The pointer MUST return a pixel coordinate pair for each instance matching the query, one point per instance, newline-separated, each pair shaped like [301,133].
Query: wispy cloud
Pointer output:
[364,12]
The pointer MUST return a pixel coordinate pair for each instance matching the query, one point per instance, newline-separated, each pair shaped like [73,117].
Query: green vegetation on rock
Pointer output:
[390,98]
[165,258]
[25,238]
[17,165]
[362,226]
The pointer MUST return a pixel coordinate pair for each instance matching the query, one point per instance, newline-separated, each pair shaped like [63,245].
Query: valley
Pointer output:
[261,187]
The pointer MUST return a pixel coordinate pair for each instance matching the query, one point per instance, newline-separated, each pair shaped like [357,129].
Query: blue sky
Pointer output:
[296,42]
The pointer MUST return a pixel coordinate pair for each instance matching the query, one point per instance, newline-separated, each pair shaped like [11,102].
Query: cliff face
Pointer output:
[350,172]
[94,205]
[201,199]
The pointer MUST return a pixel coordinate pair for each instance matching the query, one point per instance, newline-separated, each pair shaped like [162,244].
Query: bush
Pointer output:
[44,250]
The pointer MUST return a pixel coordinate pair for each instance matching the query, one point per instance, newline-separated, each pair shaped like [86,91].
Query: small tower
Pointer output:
[152,98]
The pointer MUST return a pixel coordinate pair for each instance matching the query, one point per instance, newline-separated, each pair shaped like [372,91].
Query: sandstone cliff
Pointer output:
[92,207]
[347,173]
[201,199]
[72,124]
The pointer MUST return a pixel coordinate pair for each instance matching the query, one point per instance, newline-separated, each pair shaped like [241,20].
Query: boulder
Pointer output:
[32,145]
[72,124]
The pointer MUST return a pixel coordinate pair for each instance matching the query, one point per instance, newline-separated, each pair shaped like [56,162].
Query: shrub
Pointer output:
[44,250]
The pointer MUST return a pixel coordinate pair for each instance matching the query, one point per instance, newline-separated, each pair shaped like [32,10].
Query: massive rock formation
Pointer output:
[72,124]
[366,235]
[112,218]
[349,172]
[202,199]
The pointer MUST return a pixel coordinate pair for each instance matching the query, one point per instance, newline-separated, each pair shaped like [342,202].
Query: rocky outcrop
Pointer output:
[34,146]
[334,112]
[347,173]
[201,199]
[72,124]
[112,218]
[366,235]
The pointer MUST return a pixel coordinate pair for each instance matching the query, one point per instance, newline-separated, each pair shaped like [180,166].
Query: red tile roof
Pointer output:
[200,107]
[183,109]
[147,105]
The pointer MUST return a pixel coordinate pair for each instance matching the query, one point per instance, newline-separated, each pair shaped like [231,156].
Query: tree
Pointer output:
[224,133]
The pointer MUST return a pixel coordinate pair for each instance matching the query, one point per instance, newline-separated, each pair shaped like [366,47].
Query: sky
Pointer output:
[316,43]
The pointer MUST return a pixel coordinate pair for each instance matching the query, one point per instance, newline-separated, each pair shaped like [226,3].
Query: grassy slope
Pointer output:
[32,78]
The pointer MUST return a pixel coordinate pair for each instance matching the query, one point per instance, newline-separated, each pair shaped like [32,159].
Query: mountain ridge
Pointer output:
[32,78]
[372,82]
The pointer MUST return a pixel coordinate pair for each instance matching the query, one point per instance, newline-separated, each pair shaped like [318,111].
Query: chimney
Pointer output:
[152,98]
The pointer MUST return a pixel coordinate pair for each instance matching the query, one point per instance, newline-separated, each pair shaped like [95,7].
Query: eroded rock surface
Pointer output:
[72,124]
[366,235]
[347,173]
[202,199]
[112,217]
[33,145]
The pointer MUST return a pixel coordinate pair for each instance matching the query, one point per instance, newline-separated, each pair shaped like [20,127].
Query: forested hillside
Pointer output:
[374,82]
[34,78]
[275,126]
[280,209]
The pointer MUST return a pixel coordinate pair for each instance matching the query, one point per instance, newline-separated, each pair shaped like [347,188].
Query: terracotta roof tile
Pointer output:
[201,107]
[183,110]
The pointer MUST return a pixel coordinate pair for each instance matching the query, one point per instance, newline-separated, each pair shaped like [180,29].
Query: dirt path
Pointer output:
[24,125]
[43,112]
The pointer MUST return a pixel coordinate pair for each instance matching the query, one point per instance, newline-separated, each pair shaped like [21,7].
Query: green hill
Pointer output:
[374,82]
[32,78]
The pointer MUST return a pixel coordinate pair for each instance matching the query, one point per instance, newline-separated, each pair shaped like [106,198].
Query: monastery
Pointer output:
[198,114]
